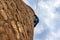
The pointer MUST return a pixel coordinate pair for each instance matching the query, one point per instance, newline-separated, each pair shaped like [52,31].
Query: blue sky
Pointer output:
[48,12]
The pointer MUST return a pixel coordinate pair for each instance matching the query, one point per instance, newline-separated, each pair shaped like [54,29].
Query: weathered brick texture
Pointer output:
[16,20]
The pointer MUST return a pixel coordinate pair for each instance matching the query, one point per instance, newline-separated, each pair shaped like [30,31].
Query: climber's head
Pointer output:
[36,20]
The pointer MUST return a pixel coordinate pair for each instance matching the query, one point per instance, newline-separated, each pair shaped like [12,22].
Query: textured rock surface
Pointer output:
[16,20]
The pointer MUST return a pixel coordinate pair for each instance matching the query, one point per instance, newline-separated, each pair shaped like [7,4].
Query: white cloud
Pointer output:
[53,35]
[43,5]
[38,29]
[57,3]
[49,12]
[49,7]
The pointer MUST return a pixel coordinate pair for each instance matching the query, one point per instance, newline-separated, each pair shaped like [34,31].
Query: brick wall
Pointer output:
[16,20]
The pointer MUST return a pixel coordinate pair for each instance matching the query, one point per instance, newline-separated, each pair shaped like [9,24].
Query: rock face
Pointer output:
[16,20]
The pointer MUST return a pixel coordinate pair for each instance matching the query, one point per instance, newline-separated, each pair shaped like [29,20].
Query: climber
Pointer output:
[36,20]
